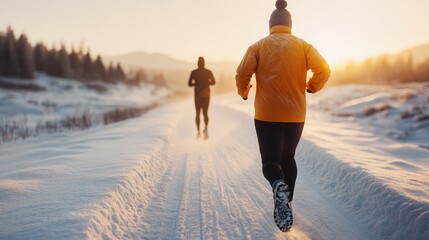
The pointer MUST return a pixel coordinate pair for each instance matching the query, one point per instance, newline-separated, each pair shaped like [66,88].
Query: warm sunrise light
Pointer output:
[167,119]
[219,30]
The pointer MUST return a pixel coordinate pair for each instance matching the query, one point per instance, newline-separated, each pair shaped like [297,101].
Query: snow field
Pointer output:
[149,178]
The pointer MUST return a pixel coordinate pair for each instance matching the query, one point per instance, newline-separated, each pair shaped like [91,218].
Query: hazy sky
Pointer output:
[219,29]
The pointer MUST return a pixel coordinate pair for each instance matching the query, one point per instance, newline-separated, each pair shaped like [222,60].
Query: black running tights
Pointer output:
[277,145]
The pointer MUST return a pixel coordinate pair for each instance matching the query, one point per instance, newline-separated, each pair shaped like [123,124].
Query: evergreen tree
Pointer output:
[119,73]
[139,76]
[159,79]
[142,75]
[381,67]
[99,69]
[75,64]
[40,57]
[52,63]
[224,83]
[409,74]
[422,72]
[19,59]
[11,65]
[111,74]
[25,57]
[88,68]
[64,69]
[2,62]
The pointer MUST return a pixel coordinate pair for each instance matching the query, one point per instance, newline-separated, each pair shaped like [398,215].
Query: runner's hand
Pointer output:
[246,93]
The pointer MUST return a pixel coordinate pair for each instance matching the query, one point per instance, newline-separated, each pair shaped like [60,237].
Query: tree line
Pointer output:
[383,70]
[19,59]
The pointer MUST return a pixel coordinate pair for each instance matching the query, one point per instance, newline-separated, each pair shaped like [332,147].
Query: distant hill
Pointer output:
[159,61]
[175,71]
[149,61]
[419,53]
[163,62]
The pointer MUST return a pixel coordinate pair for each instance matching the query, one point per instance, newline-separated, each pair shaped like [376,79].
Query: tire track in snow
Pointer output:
[206,183]
[168,201]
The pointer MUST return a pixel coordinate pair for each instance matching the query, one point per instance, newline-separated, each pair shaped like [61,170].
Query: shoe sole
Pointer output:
[282,213]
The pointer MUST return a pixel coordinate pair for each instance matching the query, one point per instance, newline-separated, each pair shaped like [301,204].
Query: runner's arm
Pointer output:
[212,80]
[320,69]
[191,81]
[244,73]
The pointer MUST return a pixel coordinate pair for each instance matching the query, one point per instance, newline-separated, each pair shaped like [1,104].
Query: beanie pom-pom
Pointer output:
[281,4]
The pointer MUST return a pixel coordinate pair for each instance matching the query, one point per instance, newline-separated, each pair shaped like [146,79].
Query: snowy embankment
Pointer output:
[48,104]
[375,157]
[379,205]
[148,178]
[49,184]
[372,159]
[46,179]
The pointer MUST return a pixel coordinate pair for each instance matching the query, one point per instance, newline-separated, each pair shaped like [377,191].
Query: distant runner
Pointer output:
[281,61]
[201,79]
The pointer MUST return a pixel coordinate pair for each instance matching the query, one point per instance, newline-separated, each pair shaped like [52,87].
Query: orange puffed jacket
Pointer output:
[281,61]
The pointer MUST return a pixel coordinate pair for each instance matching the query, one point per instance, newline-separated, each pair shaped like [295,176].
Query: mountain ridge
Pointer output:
[161,61]
[419,53]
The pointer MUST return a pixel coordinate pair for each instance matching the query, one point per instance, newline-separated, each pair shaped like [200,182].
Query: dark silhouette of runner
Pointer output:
[201,78]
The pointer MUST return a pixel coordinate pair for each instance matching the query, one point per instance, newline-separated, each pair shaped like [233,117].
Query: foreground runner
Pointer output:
[281,62]
[201,79]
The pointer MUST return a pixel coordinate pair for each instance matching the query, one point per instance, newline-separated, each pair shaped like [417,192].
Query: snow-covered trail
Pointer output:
[149,178]
[215,190]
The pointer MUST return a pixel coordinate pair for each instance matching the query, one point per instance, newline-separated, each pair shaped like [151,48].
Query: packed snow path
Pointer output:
[215,190]
[149,178]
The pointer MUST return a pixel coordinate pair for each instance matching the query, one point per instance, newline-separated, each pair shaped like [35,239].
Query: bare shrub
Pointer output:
[423,118]
[120,114]
[417,112]
[99,88]
[46,127]
[376,109]
[22,86]
[13,131]
[77,122]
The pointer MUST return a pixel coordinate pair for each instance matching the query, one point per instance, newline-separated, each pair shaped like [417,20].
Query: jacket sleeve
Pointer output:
[212,80]
[191,81]
[320,69]
[245,71]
